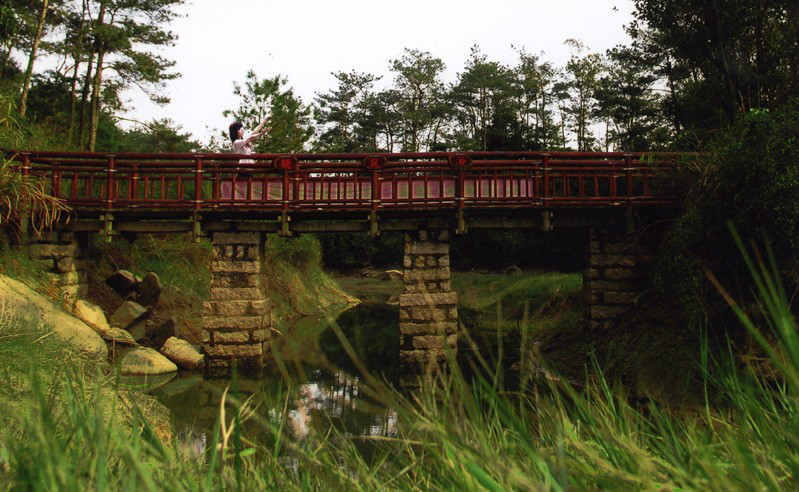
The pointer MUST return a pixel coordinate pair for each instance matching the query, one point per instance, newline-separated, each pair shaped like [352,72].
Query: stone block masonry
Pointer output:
[236,316]
[428,306]
[614,277]
[63,257]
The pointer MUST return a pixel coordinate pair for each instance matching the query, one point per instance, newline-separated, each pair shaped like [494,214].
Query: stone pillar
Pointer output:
[428,306]
[614,277]
[235,318]
[62,254]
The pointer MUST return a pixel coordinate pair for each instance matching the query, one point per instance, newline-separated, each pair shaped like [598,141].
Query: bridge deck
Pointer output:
[146,184]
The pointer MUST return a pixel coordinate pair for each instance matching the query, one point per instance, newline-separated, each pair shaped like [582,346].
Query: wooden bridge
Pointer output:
[234,200]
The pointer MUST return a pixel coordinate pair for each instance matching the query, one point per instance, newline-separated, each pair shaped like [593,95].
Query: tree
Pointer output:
[721,57]
[32,57]
[340,114]
[482,90]
[289,117]
[158,136]
[419,87]
[125,32]
[582,74]
[626,100]
[535,83]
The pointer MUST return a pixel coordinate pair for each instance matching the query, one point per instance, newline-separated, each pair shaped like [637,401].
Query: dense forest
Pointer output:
[691,68]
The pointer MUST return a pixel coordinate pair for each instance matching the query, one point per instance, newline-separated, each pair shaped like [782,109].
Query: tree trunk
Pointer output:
[84,98]
[94,114]
[97,83]
[76,57]
[29,72]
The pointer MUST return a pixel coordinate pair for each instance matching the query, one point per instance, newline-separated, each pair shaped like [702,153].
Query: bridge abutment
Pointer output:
[615,276]
[236,316]
[428,306]
[63,256]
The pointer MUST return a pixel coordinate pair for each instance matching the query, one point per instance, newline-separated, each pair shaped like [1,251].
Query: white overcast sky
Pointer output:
[306,40]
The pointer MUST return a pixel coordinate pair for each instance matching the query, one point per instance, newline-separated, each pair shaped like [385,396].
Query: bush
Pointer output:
[750,177]
[303,252]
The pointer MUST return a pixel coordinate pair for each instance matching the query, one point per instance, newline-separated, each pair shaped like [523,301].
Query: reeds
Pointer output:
[453,434]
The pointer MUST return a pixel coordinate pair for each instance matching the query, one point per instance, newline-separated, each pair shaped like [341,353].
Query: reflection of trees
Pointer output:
[373,332]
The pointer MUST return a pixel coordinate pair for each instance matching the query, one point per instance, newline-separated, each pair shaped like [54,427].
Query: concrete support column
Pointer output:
[615,276]
[428,306]
[63,256]
[236,318]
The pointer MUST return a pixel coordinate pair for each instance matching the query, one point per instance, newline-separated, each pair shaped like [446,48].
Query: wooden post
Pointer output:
[108,218]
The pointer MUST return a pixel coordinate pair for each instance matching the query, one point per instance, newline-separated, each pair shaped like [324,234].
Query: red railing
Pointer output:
[344,182]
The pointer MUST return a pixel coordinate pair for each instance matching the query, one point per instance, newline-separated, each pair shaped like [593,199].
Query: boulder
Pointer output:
[139,329]
[92,315]
[122,281]
[42,315]
[163,332]
[118,336]
[182,353]
[129,313]
[149,290]
[144,361]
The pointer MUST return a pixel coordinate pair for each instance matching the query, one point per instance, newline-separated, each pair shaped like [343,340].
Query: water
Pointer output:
[315,385]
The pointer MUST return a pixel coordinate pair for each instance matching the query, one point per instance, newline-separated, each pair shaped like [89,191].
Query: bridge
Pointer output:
[235,200]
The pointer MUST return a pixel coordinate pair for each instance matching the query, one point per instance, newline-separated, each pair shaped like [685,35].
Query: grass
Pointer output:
[453,434]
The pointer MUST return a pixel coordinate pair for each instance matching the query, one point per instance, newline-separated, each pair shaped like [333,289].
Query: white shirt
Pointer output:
[241,147]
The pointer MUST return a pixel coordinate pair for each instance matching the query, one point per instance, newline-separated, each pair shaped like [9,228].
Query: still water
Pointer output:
[314,386]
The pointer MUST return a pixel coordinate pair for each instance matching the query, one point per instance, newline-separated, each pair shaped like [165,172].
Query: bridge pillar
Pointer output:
[615,276]
[428,306]
[62,254]
[236,316]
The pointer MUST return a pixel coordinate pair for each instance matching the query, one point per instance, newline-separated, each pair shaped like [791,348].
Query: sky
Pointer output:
[306,40]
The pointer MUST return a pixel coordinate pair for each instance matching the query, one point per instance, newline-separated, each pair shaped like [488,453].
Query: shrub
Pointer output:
[750,177]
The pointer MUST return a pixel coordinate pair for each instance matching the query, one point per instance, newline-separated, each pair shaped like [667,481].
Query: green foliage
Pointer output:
[158,136]
[289,118]
[750,178]
[23,200]
[182,265]
[719,58]
[452,434]
[303,252]
[8,20]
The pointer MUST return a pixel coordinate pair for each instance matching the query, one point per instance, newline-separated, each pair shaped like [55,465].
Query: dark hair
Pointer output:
[234,131]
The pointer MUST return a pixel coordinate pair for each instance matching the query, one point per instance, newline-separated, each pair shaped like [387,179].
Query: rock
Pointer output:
[149,290]
[164,332]
[393,275]
[92,315]
[65,265]
[138,330]
[182,353]
[144,361]
[128,313]
[122,281]
[43,315]
[118,336]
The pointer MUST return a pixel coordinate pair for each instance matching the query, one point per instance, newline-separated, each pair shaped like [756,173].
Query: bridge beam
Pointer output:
[428,306]
[236,316]
[616,274]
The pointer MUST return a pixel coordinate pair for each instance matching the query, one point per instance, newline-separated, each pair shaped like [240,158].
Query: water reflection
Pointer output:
[314,390]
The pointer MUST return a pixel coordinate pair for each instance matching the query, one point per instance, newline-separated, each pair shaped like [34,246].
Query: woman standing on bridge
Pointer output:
[243,145]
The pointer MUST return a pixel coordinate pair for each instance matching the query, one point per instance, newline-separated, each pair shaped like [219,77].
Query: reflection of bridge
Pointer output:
[423,194]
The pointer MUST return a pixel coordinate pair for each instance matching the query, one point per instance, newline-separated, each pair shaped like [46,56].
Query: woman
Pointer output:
[243,145]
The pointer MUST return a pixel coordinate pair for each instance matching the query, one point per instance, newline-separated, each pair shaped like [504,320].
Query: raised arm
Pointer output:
[259,130]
